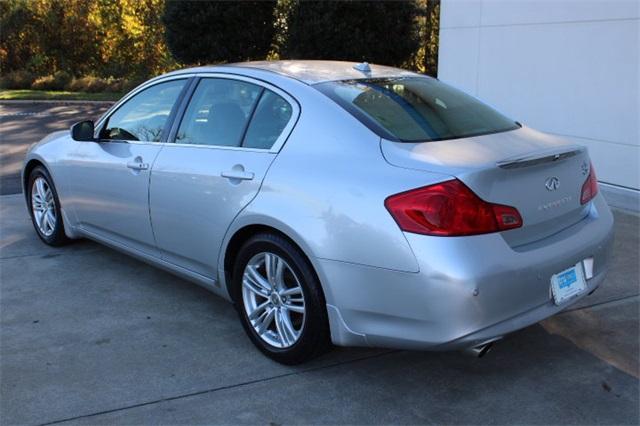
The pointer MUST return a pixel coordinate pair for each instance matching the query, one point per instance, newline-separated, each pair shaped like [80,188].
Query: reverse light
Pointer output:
[449,209]
[590,186]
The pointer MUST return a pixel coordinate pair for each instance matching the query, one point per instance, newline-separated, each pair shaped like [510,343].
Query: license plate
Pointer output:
[567,284]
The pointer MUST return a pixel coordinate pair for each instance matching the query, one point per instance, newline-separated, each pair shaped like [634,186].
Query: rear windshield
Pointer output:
[415,109]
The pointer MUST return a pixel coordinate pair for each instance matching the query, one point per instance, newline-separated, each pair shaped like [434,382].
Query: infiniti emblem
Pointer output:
[552,183]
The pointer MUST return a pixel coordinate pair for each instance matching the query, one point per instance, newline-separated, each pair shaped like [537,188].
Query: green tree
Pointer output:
[131,38]
[227,31]
[65,38]
[104,38]
[383,32]
[426,58]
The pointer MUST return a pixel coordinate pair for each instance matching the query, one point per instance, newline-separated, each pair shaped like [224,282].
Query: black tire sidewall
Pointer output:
[315,333]
[58,236]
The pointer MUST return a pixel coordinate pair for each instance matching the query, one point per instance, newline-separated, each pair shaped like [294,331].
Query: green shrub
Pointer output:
[93,84]
[17,80]
[86,84]
[57,81]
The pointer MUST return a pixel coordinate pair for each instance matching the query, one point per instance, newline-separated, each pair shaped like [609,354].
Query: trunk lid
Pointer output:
[541,175]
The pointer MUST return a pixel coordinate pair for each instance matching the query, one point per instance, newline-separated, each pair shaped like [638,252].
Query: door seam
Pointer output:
[153,232]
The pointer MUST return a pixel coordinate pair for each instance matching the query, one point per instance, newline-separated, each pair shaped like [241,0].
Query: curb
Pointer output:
[54,102]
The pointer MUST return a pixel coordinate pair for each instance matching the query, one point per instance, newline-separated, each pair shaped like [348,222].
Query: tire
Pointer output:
[290,337]
[52,235]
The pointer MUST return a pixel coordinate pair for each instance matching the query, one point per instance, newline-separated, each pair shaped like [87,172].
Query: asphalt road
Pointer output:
[91,336]
[22,124]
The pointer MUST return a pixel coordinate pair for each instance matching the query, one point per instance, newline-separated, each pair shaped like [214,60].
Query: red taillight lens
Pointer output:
[449,209]
[590,186]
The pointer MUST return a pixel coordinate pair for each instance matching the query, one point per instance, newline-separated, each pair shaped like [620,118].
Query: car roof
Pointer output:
[311,71]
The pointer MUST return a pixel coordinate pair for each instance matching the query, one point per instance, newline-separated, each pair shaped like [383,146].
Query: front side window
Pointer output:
[144,116]
[415,109]
[219,112]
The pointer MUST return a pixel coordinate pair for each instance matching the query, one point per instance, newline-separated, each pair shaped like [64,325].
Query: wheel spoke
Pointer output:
[265,320]
[291,291]
[282,331]
[41,219]
[45,222]
[285,329]
[256,282]
[247,282]
[278,276]
[50,219]
[258,310]
[273,267]
[40,188]
[294,308]
[36,198]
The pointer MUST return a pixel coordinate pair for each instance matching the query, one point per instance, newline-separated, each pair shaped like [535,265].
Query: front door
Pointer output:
[223,149]
[110,196]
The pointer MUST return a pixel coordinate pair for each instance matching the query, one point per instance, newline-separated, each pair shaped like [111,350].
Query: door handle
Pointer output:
[237,174]
[137,165]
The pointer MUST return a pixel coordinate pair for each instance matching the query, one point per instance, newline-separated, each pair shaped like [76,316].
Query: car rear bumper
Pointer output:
[469,290]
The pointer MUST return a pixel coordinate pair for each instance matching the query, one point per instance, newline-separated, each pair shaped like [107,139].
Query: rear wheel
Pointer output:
[45,208]
[279,300]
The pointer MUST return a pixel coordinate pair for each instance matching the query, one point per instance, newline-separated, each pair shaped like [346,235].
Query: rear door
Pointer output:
[229,133]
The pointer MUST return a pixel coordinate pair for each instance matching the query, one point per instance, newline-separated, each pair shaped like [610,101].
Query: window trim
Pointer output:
[102,121]
[277,145]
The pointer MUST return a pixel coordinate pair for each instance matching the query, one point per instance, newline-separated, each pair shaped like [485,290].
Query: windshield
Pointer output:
[415,109]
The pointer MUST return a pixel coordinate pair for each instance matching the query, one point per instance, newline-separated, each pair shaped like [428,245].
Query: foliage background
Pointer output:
[110,45]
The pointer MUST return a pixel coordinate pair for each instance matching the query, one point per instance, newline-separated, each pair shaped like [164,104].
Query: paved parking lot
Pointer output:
[23,123]
[91,336]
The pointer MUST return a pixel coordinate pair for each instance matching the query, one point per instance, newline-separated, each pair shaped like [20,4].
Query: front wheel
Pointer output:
[44,207]
[280,300]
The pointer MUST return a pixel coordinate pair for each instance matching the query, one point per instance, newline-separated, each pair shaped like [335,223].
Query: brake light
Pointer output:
[590,186]
[449,209]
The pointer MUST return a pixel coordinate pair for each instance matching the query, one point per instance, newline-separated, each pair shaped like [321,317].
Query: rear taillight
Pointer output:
[449,209]
[590,187]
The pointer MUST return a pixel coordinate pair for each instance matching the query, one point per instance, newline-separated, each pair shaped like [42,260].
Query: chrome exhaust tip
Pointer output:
[480,350]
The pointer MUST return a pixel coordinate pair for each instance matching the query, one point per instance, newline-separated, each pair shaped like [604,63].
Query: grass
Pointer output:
[39,95]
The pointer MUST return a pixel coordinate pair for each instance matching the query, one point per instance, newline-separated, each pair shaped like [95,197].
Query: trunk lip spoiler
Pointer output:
[540,157]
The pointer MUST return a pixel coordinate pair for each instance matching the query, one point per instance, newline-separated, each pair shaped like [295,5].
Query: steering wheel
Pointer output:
[119,133]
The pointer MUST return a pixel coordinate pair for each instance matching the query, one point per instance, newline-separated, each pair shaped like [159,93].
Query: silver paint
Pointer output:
[323,185]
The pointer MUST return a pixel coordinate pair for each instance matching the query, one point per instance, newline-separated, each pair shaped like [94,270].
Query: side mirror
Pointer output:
[83,131]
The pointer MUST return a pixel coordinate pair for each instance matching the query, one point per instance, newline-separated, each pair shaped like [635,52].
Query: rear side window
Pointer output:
[271,117]
[219,112]
[415,109]
[226,112]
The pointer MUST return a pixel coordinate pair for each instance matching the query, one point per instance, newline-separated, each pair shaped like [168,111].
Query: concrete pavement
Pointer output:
[23,123]
[91,336]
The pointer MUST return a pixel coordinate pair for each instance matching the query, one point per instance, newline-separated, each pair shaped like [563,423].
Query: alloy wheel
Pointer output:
[43,206]
[273,300]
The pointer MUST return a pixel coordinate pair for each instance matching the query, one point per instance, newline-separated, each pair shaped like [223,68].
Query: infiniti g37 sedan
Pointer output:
[333,202]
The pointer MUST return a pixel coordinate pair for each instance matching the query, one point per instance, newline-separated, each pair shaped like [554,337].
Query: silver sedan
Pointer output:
[333,202]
